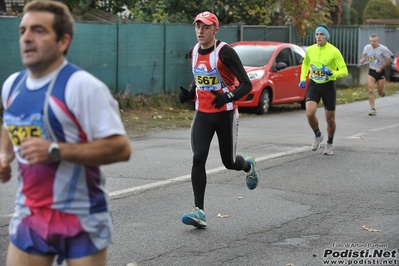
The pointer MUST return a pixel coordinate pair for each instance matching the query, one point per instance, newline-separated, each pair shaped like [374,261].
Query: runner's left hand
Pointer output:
[222,98]
[326,71]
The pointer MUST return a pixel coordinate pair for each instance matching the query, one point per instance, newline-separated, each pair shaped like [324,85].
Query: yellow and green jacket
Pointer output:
[317,56]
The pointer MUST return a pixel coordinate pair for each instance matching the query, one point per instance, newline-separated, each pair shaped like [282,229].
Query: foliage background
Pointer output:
[302,13]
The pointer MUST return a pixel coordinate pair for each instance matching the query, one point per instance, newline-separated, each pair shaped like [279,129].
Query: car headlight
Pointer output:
[256,74]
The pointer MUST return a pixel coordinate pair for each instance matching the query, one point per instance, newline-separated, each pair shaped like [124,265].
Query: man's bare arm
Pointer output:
[108,150]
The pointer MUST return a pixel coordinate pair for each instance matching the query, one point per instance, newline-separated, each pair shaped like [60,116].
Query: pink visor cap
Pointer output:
[208,18]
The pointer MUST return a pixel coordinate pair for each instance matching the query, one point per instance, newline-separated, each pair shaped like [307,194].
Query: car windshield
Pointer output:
[254,55]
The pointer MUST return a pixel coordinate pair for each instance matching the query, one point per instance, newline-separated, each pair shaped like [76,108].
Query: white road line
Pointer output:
[356,136]
[187,177]
[282,154]
[362,134]
[384,128]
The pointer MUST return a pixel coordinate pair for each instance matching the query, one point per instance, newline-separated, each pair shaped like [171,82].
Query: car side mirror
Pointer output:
[281,65]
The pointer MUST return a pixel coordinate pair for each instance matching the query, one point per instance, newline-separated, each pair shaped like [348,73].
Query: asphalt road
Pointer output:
[308,209]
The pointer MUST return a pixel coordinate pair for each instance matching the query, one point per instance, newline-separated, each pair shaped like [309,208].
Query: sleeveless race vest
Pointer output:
[211,74]
[43,113]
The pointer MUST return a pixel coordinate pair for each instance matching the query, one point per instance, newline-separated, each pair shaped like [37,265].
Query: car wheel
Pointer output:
[264,102]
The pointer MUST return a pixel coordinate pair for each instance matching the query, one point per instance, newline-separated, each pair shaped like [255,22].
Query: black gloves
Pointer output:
[219,100]
[185,95]
[222,98]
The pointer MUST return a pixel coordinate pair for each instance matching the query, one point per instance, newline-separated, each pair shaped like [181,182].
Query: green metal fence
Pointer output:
[10,61]
[144,58]
[141,58]
[346,39]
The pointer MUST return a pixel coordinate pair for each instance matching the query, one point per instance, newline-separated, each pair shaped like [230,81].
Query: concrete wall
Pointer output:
[357,76]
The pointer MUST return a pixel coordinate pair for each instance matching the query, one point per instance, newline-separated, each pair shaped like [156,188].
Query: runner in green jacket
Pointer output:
[324,64]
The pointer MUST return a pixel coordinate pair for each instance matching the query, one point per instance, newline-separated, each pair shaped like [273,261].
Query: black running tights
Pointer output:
[204,126]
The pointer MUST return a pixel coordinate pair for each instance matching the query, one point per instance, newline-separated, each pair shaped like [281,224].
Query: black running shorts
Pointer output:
[325,91]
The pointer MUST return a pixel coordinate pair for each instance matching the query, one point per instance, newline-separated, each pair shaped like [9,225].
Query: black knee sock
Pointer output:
[317,132]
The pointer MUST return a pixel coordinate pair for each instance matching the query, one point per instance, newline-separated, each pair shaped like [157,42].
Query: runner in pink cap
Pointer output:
[208,18]
[219,80]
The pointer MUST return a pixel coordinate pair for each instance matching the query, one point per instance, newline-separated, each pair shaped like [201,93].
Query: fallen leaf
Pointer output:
[223,215]
[369,229]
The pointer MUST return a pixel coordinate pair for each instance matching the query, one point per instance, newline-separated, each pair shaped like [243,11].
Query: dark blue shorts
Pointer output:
[51,232]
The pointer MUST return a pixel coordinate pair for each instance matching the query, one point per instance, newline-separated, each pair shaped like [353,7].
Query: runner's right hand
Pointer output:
[5,169]
[184,95]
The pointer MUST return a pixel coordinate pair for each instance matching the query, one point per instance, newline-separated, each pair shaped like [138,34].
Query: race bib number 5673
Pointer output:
[18,133]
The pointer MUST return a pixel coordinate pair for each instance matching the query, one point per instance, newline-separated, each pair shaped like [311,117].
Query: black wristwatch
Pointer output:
[54,151]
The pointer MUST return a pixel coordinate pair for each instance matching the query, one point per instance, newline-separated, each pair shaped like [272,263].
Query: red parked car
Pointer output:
[274,69]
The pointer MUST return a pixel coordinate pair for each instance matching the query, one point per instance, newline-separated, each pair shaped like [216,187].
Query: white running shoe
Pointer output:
[329,150]
[316,143]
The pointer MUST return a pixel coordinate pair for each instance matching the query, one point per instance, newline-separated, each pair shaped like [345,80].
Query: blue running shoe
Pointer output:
[195,218]
[252,175]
